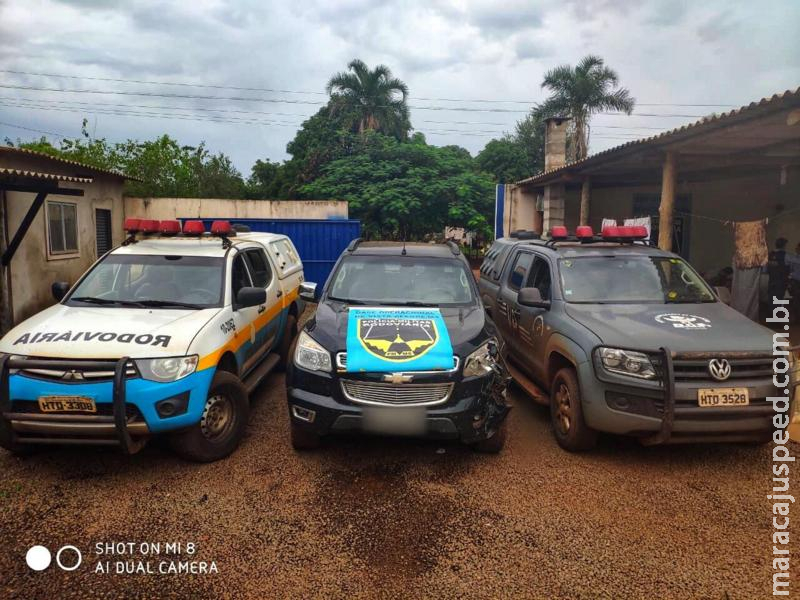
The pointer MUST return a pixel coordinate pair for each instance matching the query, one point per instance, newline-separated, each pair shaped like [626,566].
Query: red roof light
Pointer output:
[170,227]
[132,225]
[558,232]
[583,232]
[194,228]
[221,228]
[149,226]
[611,231]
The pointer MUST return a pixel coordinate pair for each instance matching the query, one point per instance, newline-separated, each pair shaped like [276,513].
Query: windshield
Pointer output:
[152,281]
[632,279]
[401,281]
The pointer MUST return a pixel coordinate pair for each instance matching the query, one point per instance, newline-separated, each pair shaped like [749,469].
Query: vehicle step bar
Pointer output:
[530,388]
[257,375]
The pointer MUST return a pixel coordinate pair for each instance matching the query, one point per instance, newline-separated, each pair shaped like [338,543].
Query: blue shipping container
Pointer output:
[319,241]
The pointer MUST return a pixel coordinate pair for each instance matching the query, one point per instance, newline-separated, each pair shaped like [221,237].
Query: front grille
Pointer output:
[104,409]
[406,394]
[77,375]
[689,369]
[741,368]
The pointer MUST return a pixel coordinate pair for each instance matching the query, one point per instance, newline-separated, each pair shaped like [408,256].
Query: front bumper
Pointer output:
[126,405]
[666,411]
[472,412]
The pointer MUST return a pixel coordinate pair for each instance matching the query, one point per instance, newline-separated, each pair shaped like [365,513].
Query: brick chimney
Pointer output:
[555,142]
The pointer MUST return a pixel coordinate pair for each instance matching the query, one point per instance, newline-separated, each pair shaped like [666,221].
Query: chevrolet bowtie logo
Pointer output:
[397,378]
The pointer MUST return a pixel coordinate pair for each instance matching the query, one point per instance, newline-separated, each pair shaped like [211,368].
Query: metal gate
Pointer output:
[318,241]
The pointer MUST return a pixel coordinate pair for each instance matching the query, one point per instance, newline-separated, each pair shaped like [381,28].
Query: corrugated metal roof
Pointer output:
[50,176]
[705,124]
[66,161]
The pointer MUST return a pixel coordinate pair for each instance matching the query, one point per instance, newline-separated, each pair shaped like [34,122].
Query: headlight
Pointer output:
[310,355]
[627,362]
[481,361]
[166,369]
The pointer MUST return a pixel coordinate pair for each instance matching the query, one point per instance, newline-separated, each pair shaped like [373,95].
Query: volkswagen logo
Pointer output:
[720,368]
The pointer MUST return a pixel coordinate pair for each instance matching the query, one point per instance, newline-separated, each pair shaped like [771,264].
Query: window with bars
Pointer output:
[62,228]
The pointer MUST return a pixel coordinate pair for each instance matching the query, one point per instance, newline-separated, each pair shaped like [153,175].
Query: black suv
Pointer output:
[627,339]
[465,402]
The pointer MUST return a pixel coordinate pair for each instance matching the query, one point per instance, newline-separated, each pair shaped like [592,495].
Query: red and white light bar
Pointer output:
[612,233]
[169,228]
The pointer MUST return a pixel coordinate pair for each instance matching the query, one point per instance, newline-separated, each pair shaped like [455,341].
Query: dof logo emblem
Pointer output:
[397,339]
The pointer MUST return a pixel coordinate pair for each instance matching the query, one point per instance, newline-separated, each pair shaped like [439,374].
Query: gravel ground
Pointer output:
[394,518]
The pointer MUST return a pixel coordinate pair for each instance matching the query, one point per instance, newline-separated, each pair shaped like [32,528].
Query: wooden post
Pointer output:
[667,203]
[585,199]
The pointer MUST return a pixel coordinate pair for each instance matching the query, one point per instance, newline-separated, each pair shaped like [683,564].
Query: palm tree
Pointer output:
[581,92]
[376,99]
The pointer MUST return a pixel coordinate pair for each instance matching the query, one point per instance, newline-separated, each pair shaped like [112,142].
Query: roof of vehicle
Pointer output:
[192,246]
[396,249]
[570,248]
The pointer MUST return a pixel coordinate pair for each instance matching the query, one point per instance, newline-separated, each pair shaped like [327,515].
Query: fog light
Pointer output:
[172,407]
[303,414]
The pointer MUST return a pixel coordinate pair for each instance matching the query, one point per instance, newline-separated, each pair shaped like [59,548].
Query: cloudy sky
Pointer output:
[474,67]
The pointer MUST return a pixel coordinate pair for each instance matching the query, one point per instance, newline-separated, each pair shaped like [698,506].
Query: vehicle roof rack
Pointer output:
[354,244]
[241,228]
[453,247]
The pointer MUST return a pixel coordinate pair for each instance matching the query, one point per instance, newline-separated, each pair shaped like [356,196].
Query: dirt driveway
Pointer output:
[398,518]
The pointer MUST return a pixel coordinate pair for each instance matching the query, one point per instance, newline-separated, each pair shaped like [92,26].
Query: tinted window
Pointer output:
[401,280]
[627,279]
[239,276]
[539,277]
[259,267]
[132,278]
[520,270]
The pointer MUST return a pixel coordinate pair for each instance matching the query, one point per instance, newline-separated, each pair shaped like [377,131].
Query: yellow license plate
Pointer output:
[57,404]
[720,397]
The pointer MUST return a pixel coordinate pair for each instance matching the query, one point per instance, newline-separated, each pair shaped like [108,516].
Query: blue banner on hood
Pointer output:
[395,339]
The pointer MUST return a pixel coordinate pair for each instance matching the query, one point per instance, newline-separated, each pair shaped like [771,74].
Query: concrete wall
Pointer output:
[173,208]
[32,271]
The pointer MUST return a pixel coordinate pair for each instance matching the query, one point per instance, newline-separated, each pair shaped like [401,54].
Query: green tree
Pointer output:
[505,159]
[406,190]
[582,91]
[374,97]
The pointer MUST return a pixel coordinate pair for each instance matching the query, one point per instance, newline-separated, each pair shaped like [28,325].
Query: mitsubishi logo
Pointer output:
[720,368]
[72,375]
[397,378]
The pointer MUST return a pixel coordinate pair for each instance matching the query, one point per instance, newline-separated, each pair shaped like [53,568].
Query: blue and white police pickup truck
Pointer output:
[167,333]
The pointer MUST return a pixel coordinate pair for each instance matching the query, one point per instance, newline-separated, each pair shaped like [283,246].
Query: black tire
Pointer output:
[496,443]
[302,439]
[566,413]
[222,425]
[287,341]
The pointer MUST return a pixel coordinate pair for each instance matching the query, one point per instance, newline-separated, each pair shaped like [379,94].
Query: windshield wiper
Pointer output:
[105,301]
[347,300]
[167,303]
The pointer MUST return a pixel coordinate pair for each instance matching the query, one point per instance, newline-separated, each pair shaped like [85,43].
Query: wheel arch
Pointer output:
[227,362]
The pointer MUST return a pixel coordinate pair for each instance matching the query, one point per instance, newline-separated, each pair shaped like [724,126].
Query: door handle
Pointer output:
[280,293]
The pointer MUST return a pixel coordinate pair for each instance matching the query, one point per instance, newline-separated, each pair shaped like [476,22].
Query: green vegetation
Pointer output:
[359,148]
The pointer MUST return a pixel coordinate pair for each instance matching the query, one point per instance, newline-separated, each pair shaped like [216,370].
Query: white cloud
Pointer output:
[664,51]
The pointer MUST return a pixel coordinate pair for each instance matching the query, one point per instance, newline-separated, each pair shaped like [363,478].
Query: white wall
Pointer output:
[209,208]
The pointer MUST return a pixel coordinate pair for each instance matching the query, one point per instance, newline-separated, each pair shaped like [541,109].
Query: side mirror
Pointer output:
[250,296]
[532,297]
[308,291]
[59,289]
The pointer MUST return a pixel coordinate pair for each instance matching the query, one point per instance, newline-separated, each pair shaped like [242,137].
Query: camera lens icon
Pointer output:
[68,558]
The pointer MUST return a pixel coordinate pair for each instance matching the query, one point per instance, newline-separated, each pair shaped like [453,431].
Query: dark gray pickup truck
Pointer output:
[627,339]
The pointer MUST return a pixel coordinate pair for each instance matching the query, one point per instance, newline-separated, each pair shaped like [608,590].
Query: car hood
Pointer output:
[708,327]
[467,327]
[106,332]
